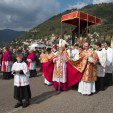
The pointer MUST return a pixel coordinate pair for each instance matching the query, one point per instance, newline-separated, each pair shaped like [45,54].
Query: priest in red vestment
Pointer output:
[62,70]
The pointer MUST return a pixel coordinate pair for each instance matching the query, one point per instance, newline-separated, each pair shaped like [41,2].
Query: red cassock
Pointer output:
[32,57]
[47,69]
[7,62]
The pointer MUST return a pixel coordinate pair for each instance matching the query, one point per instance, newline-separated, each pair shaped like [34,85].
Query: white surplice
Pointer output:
[86,88]
[102,60]
[21,79]
[62,79]
[74,52]
[109,59]
[7,65]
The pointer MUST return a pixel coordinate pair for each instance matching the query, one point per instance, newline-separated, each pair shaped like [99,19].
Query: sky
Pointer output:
[68,4]
[25,14]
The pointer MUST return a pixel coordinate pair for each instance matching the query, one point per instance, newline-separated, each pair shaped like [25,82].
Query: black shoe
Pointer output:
[102,89]
[45,84]
[25,104]
[18,104]
[110,84]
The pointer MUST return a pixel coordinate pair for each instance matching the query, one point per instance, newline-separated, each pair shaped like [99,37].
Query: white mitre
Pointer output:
[62,43]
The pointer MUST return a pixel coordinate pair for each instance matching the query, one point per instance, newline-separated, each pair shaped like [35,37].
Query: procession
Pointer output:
[86,69]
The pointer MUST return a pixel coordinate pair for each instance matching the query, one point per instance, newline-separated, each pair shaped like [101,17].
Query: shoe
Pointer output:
[102,89]
[25,104]
[49,84]
[18,105]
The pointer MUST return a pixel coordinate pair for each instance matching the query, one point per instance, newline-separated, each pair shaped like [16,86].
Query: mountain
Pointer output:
[7,35]
[53,25]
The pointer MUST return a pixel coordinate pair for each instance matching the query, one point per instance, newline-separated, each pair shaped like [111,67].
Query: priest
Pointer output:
[47,68]
[62,70]
[87,83]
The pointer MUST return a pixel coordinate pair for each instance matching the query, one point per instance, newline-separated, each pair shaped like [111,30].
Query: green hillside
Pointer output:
[53,25]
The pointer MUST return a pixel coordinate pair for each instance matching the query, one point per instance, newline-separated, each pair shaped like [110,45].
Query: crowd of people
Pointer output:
[87,69]
[19,64]
[97,64]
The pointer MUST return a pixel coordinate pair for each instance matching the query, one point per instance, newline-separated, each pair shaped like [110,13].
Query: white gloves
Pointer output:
[90,59]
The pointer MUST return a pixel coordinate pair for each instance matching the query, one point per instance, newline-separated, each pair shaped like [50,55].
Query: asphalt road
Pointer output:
[46,100]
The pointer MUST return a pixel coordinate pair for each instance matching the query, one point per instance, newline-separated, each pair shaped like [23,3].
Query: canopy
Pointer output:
[80,18]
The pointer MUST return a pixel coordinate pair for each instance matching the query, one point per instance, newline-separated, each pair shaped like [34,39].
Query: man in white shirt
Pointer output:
[75,50]
[109,61]
[100,66]
[69,51]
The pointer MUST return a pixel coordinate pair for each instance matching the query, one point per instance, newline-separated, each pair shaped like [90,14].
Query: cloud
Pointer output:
[82,4]
[25,14]
[102,1]
[78,5]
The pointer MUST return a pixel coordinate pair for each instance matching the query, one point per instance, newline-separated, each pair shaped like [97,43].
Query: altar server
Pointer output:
[109,61]
[21,74]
